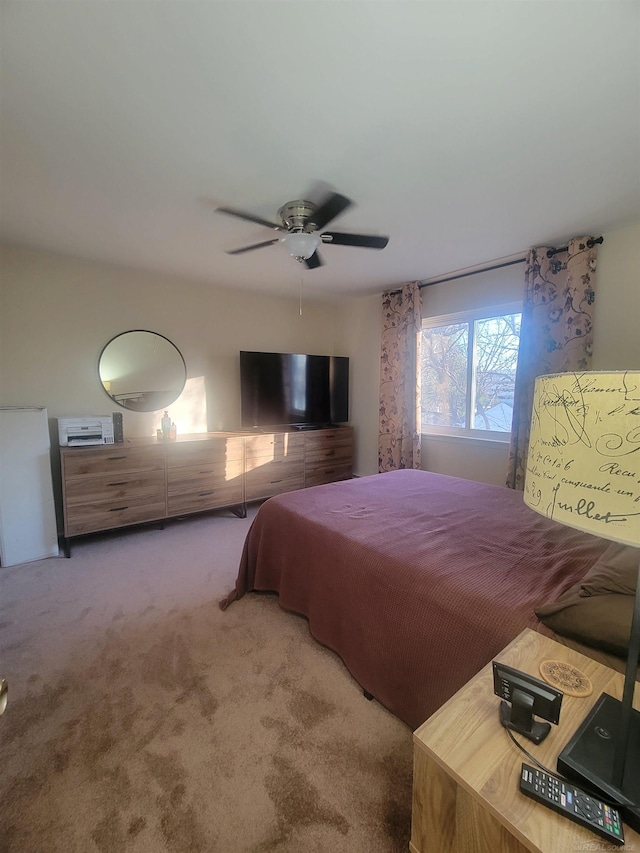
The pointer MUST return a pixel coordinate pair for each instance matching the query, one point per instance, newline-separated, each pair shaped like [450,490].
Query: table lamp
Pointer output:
[583,470]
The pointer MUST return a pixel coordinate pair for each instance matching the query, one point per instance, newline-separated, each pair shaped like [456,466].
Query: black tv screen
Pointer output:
[287,389]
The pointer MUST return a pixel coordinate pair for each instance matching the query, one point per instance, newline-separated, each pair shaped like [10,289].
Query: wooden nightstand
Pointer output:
[466,769]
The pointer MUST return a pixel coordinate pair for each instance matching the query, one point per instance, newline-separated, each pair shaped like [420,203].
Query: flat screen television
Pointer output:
[287,389]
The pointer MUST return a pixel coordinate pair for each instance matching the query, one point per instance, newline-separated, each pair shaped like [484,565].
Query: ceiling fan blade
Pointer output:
[361,240]
[314,261]
[230,211]
[254,246]
[329,209]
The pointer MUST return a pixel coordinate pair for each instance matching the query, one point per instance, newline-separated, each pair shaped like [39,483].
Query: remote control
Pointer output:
[573,803]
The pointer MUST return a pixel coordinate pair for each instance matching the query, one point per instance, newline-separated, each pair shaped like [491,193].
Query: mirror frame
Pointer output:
[164,402]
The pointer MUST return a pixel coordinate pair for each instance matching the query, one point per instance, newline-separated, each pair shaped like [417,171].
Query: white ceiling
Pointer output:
[466,131]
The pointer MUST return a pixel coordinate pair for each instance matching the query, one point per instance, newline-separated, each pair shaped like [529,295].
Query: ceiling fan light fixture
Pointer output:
[301,245]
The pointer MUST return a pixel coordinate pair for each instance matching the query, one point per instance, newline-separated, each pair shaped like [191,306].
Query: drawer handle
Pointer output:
[118,508]
[275,481]
[114,458]
[205,494]
[120,483]
[330,453]
[205,472]
[330,471]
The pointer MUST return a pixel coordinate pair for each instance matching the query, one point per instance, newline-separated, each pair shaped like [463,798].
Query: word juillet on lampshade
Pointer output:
[583,463]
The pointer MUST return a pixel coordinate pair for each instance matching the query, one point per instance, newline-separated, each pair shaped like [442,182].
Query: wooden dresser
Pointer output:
[144,480]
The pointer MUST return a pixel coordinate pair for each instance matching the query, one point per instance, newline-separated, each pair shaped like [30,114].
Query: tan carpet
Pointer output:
[142,718]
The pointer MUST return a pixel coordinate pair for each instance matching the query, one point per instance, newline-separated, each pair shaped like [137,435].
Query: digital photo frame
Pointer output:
[523,698]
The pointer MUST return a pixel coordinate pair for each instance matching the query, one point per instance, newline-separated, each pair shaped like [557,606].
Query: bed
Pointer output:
[416,580]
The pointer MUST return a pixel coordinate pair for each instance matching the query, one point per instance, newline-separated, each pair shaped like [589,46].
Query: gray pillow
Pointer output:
[615,571]
[600,621]
[598,610]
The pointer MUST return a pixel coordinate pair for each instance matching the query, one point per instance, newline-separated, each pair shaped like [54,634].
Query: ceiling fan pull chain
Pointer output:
[301,280]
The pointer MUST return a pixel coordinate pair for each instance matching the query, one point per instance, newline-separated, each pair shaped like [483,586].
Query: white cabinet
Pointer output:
[27,511]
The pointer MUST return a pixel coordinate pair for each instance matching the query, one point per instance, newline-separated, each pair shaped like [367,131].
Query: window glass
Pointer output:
[495,362]
[445,352]
[468,366]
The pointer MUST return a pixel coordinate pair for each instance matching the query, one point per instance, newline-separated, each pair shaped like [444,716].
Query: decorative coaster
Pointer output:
[567,678]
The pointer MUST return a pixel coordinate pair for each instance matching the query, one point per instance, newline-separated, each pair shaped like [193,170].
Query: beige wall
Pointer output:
[57,313]
[616,339]
[616,346]
[358,336]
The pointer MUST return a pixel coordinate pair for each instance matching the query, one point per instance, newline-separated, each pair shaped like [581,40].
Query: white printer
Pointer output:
[80,432]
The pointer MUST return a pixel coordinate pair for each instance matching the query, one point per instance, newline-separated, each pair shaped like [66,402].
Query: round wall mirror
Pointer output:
[142,371]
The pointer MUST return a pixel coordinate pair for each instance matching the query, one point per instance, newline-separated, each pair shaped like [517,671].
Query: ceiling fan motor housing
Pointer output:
[298,216]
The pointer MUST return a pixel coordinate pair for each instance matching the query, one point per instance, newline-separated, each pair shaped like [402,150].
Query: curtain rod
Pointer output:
[471,272]
[476,271]
[591,242]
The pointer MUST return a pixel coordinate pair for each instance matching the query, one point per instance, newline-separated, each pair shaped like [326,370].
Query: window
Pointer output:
[468,372]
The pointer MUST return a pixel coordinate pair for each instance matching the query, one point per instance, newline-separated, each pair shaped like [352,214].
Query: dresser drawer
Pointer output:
[330,441]
[289,445]
[274,478]
[100,503]
[206,497]
[94,517]
[205,486]
[114,489]
[205,452]
[82,462]
[194,477]
[328,473]
[337,451]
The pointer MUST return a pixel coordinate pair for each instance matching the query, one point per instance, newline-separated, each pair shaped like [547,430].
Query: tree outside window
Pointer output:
[468,373]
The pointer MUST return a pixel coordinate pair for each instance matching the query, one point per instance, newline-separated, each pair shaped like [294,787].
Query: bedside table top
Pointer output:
[465,738]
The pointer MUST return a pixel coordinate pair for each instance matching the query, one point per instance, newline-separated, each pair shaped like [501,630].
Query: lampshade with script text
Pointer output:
[583,466]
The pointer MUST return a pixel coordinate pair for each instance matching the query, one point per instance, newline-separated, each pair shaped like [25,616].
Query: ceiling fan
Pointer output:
[301,224]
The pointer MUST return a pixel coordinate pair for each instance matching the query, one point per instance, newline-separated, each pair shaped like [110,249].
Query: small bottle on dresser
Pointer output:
[165,424]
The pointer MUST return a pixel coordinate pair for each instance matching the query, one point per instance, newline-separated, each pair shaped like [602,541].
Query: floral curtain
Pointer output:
[556,332]
[399,424]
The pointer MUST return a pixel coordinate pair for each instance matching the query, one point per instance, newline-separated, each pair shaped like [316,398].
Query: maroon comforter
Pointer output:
[416,580]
